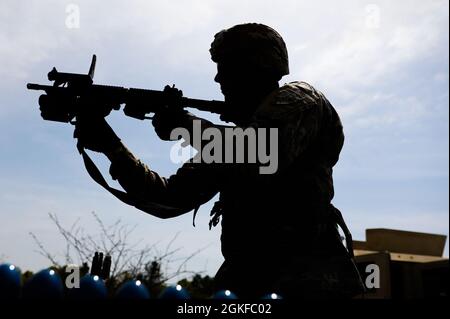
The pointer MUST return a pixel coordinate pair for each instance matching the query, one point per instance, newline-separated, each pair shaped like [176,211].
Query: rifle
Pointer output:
[73,93]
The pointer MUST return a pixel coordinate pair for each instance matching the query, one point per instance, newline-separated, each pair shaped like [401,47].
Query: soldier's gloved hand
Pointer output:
[172,115]
[95,134]
[167,120]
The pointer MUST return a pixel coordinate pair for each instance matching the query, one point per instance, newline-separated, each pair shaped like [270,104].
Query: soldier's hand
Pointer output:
[167,120]
[172,115]
[95,134]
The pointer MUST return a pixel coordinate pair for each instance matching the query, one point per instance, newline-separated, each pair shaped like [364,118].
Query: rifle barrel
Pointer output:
[34,86]
[212,106]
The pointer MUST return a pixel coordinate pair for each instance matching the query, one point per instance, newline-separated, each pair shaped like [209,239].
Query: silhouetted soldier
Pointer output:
[279,231]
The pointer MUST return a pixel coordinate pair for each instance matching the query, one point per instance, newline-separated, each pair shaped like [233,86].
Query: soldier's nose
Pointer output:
[216,78]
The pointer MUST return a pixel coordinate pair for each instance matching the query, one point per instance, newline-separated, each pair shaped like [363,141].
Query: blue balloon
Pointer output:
[224,294]
[133,289]
[273,296]
[91,287]
[46,284]
[174,292]
[9,281]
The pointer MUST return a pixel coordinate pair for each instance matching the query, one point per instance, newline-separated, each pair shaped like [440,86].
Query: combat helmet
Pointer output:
[252,44]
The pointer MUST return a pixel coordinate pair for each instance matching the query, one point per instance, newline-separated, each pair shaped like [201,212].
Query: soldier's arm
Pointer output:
[189,188]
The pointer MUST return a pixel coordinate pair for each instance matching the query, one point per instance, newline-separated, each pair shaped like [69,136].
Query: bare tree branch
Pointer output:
[129,258]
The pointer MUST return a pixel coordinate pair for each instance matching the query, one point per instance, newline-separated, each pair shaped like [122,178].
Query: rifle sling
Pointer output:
[147,206]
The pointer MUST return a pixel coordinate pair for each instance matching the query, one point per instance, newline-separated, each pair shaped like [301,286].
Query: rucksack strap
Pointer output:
[339,220]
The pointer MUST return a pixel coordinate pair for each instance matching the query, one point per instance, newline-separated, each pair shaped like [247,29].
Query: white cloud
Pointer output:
[379,110]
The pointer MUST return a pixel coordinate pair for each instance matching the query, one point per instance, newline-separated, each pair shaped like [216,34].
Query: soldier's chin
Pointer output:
[232,99]
[230,114]
[235,115]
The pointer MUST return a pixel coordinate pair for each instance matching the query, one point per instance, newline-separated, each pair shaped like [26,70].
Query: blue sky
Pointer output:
[382,64]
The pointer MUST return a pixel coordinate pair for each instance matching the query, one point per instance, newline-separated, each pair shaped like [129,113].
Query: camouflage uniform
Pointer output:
[278,233]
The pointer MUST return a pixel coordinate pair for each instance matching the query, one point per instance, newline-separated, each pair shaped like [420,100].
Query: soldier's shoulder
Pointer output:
[288,100]
[297,93]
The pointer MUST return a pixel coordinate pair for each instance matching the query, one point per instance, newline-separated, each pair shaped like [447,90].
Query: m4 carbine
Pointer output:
[72,94]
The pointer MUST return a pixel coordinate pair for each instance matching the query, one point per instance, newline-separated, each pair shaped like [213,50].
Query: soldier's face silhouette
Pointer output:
[243,87]
[231,79]
[240,85]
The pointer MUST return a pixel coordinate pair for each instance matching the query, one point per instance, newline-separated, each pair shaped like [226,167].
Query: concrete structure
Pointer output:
[411,264]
